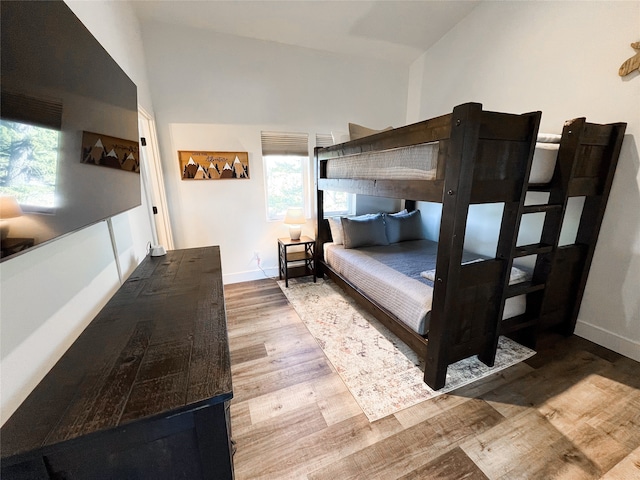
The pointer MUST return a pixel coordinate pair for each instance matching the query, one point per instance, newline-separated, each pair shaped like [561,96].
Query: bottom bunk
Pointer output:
[399,277]
[395,281]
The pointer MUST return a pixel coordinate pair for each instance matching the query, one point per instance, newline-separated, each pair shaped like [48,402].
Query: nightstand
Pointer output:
[15,245]
[297,258]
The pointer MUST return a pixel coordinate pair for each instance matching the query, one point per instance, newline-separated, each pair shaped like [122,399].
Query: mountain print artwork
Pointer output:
[213,165]
[110,152]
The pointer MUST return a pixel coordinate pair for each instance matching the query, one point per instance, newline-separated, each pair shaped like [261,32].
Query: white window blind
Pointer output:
[286,172]
[283,143]
[324,140]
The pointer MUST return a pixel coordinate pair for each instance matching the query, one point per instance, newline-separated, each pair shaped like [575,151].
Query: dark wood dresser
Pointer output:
[144,390]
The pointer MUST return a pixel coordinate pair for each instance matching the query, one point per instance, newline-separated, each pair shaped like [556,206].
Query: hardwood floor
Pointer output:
[570,412]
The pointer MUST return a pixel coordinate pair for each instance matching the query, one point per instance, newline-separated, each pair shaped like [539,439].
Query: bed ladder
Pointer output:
[585,166]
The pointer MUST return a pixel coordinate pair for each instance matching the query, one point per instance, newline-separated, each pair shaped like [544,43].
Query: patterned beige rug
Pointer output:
[381,372]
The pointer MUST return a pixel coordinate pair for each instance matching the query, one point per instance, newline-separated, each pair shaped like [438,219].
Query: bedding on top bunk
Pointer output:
[419,162]
[391,275]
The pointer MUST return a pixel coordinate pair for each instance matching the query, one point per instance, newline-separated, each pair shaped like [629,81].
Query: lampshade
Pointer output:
[9,207]
[294,218]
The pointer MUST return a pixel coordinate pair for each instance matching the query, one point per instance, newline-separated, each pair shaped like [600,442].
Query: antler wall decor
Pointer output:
[632,63]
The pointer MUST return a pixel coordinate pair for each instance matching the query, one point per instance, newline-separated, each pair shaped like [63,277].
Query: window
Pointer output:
[286,167]
[338,203]
[28,164]
[335,203]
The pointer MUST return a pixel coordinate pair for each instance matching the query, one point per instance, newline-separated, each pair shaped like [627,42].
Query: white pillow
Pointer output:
[358,131]
[340,137]
[549,138]
[544,162]
[335,225]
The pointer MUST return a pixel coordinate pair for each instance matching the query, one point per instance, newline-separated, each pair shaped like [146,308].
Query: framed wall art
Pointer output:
[106,151]
[198,165]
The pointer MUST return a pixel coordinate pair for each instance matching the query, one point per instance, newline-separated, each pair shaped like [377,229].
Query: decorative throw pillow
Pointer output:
[358,131]
[403,227]
[364,232]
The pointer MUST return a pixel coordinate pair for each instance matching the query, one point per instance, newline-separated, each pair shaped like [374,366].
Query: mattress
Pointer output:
[392,277]
[419,162]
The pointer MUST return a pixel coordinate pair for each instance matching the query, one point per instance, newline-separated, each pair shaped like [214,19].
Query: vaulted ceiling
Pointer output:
[393,30]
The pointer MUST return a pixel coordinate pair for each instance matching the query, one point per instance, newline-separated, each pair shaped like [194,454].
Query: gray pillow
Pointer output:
[401,228]
[335,225]
[364,232]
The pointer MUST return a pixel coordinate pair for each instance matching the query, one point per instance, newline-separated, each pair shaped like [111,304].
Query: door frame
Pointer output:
[153,179]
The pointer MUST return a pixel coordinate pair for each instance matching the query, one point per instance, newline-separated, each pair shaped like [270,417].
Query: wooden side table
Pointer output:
[296,258]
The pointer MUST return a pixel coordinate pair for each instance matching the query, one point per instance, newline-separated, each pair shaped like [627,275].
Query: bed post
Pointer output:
[322,225]
[465,131]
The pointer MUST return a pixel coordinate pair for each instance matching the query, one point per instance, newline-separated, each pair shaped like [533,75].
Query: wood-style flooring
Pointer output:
[570,412]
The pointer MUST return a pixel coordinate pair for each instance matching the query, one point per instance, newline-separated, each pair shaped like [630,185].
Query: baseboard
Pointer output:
[268,272]
[612,341]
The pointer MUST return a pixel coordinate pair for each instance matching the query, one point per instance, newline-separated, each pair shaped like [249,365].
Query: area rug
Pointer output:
[381,372]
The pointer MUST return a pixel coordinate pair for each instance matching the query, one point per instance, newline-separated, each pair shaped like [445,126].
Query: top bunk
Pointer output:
[485,155]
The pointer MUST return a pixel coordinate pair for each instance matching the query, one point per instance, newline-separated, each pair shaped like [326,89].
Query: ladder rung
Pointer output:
[522,288]
[533,249]
[547,207]
[516,323]
[539,187]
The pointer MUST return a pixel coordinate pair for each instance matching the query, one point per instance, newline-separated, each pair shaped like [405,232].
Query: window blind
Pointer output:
[282,143]
[45,112]
[324,140]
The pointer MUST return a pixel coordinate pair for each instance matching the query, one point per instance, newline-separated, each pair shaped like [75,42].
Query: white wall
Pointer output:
[217,92]
[50,294]
[561,58]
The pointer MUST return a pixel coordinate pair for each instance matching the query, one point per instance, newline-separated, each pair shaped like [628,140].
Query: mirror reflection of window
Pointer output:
[28,165]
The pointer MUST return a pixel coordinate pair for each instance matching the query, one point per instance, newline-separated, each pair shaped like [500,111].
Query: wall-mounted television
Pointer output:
[69,153]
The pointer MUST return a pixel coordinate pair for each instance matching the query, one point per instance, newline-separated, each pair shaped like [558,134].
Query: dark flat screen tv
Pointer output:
[69,154]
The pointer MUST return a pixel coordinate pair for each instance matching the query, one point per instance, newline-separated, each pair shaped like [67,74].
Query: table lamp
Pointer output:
[9,208]
[294,218]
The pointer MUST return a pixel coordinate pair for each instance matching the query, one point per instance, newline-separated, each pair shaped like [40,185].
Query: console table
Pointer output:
[144,390]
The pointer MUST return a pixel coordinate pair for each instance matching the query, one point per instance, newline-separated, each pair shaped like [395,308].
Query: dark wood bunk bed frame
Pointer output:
[486,157]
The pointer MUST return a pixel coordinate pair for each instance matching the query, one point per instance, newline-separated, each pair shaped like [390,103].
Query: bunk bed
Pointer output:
[470,156]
